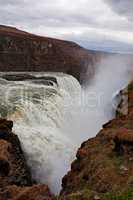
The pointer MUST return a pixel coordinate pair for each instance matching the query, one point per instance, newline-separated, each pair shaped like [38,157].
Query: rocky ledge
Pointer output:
[15,178]
[104,165]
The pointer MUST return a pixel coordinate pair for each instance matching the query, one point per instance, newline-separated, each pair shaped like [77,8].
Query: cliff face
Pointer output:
[22,51]
[15,179]
[104,164]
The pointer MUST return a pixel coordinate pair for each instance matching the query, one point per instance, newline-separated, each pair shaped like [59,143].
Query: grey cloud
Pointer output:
[41,13]
[52,13]
[11,2]
[53,16]
[48,14]
[122,7]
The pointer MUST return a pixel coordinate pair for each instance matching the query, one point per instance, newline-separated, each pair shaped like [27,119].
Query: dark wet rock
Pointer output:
[13,168]
[15,179]
[46,80]
[17,77]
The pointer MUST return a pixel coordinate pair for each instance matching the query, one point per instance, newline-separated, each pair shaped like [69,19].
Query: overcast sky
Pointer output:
[95,24]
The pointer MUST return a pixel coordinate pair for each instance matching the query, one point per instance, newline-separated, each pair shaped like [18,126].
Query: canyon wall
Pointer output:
[104,165]
[22,51]
[15,179]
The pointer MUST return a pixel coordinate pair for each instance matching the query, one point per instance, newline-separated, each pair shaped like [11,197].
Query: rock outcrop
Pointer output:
[22,51]
[104,164]
[35,192]
[15,178]
[45,80]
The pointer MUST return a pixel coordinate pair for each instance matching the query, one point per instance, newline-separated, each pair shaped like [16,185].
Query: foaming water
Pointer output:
[52,121]
[39,114]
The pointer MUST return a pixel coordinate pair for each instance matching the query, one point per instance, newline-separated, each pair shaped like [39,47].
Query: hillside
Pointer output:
[22,51]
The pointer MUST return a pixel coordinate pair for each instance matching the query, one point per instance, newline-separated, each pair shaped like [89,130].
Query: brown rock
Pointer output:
[35,192]
[15,179]
[104,163]
[5,148]
[13,168]
[22,51]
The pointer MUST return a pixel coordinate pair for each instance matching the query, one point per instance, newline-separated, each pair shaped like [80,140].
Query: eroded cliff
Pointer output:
[104,165]
[15,178]
[22,51]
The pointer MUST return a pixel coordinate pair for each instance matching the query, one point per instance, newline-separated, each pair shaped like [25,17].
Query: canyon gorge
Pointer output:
[66,120]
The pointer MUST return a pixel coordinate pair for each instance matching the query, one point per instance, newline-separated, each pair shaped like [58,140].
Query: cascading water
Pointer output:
[39,113]
[52,121]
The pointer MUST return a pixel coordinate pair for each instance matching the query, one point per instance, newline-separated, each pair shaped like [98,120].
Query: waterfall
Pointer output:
[52,120]
[40,113]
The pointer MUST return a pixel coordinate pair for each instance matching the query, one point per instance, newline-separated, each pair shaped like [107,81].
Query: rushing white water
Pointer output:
[40,113]
[52,121]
